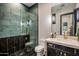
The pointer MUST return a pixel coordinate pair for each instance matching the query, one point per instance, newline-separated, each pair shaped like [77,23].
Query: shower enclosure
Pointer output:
[17,27]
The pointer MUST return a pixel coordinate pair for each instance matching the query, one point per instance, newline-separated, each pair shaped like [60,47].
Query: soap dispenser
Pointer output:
[52,35]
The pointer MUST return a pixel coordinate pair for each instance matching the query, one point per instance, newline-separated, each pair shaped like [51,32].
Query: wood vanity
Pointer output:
[62,47]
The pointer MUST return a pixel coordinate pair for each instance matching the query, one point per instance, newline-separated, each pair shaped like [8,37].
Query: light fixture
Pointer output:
[53,18]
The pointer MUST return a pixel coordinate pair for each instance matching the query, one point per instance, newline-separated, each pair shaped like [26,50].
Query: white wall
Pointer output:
[77,5]
[44,15]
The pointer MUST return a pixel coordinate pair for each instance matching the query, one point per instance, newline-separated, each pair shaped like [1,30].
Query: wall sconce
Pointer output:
[53,18]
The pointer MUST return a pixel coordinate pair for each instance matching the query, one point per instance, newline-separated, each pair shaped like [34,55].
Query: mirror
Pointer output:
[63,19]
[77,20]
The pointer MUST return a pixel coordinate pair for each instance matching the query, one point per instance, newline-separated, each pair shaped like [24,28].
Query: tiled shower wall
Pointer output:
[14,21]
[34,25]
[11,19]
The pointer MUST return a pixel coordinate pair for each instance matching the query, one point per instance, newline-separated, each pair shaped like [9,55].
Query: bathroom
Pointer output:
[39,29]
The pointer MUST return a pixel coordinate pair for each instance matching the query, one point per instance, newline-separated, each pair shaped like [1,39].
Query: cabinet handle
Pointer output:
[64,54]
[50,45]
[74,51]
[61,53]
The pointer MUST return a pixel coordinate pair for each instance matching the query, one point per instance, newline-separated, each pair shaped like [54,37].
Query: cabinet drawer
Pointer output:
[59,50]
[51,52]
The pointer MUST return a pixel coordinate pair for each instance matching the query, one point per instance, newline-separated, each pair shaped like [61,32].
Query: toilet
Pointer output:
[40,48]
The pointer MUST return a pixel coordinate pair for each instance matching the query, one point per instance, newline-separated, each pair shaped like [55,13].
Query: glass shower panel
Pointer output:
[33,29]
[29,26]
[24,21]
[34,24]
[15,20]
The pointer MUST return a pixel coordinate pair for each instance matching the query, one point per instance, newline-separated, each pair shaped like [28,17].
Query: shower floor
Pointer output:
[25,52]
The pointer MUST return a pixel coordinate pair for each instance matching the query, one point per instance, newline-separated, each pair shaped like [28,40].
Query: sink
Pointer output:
[68,37]
[72,37]
[71,41]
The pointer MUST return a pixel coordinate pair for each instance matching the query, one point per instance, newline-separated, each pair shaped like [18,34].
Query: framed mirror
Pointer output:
[77,20]
[67,23]
[65,19]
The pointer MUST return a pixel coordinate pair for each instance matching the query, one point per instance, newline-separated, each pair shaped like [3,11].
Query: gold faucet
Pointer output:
[65,35]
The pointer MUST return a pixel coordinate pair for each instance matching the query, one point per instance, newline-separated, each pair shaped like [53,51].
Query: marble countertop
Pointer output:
[73,43]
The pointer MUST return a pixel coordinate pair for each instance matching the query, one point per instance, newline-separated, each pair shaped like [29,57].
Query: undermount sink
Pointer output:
[71,41]
[68,37]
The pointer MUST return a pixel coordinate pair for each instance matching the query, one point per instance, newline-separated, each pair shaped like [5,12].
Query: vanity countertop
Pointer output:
[64,42]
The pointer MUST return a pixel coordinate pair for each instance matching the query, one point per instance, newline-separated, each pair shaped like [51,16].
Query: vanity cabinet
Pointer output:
[58,50]
[77,52]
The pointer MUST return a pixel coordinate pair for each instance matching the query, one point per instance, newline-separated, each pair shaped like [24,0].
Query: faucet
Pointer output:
[55,34]
[65,35]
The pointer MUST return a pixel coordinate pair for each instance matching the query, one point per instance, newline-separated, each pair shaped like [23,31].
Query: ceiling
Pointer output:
[29,4]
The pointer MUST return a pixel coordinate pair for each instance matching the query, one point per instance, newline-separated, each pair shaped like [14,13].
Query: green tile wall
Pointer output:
[14,21]
[11,17]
